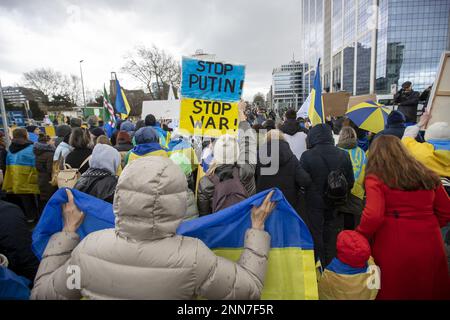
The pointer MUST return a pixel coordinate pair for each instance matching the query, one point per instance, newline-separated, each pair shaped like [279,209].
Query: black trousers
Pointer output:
[324,227]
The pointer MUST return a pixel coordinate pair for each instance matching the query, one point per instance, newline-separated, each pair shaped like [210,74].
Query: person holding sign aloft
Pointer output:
[230,177]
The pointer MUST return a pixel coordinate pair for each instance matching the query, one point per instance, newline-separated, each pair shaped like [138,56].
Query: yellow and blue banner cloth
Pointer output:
[291,272]
[145,150]
[21,176]
[316,111]
[122,105]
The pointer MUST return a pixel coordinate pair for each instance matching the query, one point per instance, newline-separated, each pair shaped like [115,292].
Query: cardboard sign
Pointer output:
[210,94]
[439,103]
[336,103]
[355,100]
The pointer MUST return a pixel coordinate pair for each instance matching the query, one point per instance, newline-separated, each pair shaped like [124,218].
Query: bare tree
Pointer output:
[154,68]
[259,99]
[54,84]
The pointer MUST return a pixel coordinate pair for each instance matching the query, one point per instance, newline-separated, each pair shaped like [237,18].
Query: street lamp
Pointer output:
[82,86]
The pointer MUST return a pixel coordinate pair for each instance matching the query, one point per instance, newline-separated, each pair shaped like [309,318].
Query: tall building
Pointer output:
[373,46]
[287,86]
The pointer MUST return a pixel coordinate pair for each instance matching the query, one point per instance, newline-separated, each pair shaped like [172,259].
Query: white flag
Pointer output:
[303,111]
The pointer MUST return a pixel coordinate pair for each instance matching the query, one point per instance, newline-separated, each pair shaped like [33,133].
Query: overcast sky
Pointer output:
[261,34]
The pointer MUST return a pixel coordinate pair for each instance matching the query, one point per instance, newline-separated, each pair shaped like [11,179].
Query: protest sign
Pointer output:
[210,94]
[439,103]
[336,103]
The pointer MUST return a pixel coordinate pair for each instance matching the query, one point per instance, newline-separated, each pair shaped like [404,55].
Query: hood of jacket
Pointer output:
[319,134]
[18,145]
[150,206]
[40,148]
[105,157]
[290,127]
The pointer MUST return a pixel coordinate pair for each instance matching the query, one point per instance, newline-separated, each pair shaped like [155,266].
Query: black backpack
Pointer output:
[336,189]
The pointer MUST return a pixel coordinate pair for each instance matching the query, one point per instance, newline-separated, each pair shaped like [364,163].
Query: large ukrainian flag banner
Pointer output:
[316,112]
[291,272]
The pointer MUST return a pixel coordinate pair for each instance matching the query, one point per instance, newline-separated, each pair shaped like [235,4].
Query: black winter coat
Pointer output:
[15,241]
[320,149]
[407,104]
[44,163]
[76,157]
[289,177]
[3,153]
[98,183]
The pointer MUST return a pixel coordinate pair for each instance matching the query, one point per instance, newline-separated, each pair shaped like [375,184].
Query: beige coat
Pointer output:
[142,258]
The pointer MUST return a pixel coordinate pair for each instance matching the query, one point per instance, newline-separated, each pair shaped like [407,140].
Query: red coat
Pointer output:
[406,241]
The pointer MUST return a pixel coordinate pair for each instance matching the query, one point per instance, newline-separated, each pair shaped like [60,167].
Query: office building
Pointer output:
[373,46]
[287,86]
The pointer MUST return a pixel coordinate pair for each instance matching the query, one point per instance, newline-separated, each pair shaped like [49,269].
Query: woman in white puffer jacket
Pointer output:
[142,257]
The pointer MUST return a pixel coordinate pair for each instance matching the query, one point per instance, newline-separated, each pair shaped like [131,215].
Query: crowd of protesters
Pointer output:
[366,199]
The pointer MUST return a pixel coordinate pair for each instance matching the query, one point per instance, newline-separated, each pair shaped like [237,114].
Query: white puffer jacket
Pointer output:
[142,258]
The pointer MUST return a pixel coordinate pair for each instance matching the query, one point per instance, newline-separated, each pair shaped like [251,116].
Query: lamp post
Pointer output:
[82,87]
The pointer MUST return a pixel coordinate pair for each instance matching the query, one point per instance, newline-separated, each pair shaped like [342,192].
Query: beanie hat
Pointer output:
[97,132]
[226,150]
[146,135]
[353,249]
[127,126]
[438,131]
[105,157]
[395,117]
[63,130]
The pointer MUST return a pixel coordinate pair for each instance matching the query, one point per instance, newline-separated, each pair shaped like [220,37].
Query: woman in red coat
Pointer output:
[406,205]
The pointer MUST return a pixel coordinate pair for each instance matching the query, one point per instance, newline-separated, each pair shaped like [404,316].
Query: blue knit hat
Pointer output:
[146,135]
[395,117]
[127,126]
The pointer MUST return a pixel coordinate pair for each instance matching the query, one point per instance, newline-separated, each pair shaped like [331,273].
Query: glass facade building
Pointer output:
[287,86]
[373,46]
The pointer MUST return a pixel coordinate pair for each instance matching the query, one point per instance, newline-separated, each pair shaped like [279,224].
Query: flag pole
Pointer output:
[4,117]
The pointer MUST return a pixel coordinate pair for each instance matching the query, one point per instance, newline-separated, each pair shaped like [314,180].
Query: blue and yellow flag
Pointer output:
[316,112]
[291,272]
[122,105]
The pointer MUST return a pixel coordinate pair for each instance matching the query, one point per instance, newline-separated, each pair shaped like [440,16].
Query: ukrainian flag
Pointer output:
[291,272]
[122,105]
[316,112]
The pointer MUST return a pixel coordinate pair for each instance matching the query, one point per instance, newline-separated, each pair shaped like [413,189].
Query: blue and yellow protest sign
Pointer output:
[210,94]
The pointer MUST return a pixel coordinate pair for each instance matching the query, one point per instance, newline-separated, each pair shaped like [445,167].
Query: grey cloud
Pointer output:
[260,34]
